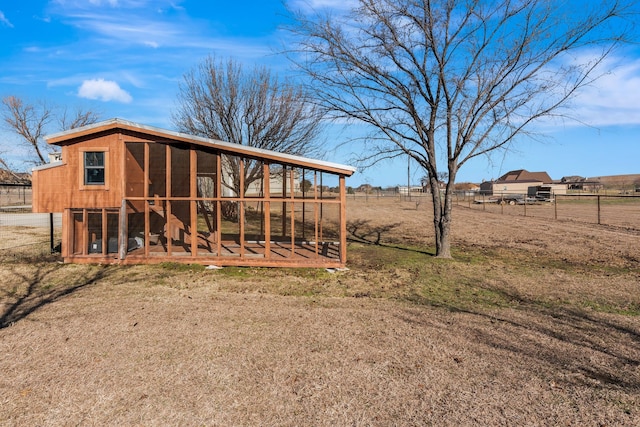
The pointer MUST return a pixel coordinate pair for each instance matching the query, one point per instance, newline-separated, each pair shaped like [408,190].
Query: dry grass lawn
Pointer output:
[534,322]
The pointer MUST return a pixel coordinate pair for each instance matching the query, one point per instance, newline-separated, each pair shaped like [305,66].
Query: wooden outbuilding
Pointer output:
[131,193]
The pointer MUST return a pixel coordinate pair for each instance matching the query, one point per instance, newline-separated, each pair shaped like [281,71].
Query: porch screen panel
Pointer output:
[206,174]
[329,230]
[304,211]
[179,227]
[157,170]
[134,169]
[207,222]
[281,223]
[231,170]
[180,172]
[77,237]
[229,228]
[254,178]
[206,228]
[94,227]
[276,180]
[112,231]
[157,227]
[135,228]
[254,229]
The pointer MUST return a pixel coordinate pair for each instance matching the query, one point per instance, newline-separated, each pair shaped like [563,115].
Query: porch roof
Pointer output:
[73,135]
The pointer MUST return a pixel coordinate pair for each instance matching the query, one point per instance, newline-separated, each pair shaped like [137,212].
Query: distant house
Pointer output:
[521,182]
[131,193]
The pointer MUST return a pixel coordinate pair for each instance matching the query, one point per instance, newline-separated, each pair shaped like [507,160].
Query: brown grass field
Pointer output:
[534,322]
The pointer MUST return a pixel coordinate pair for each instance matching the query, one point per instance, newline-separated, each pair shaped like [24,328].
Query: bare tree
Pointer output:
[220,100]
[31,121]
[77,118]
[446,81]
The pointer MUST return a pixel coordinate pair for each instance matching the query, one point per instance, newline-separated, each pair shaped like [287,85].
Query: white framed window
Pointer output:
[94,168]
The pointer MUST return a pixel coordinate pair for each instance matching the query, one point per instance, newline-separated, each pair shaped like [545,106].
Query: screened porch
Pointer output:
[192,203]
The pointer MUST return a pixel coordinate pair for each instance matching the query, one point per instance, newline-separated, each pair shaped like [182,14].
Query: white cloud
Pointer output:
[113,3]
[4,20]
[104,90]
[613,98]
[311,5]
[145,32]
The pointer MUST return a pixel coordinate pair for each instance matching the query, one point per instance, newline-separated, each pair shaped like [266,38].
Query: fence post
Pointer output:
[52,245]
[555,207]
[598,209]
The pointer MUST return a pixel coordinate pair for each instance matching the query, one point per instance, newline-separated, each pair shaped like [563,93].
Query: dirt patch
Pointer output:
[533,323]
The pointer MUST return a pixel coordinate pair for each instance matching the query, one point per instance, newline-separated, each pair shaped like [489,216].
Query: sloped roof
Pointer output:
[522,175]
[73,135]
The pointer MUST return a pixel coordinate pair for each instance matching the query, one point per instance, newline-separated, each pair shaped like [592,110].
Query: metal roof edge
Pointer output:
[47,166]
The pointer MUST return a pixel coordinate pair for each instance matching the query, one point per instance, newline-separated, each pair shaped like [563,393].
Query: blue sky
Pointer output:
[125,58]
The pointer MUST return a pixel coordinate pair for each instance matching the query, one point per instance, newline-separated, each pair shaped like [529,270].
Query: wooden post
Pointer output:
[193,194]
[169,194]
[315,212]
[147,219]
[320,223]
[105,240]
[241,208]
[122,230]
[293,214]
[68,233]
[284,201]
[52,244]
[267,209]
[343,221]
[218,195]
[85,232]
[598,197]
[303,204]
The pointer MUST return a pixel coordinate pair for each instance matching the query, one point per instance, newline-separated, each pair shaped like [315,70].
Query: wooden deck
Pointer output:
[232,253]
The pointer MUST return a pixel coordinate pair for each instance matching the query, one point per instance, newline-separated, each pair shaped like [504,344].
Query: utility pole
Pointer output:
[408,177]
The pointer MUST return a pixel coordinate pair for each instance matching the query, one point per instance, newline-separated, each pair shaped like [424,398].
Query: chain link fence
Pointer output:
[613,210]
[617,210]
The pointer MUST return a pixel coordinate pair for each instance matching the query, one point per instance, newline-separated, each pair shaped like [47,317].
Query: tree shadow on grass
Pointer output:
[362,231]
[35,287]
[581,347]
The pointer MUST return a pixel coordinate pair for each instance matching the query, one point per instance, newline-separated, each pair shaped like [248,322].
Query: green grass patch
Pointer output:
[477,279]
[181,267]
[631,309]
